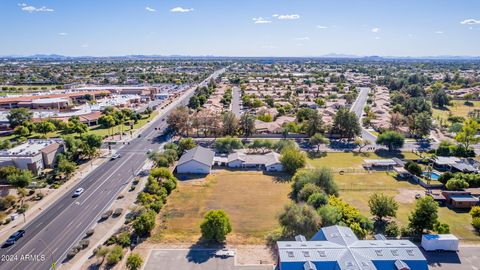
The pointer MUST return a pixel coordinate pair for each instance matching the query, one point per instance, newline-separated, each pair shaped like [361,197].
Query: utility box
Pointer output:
[437,242]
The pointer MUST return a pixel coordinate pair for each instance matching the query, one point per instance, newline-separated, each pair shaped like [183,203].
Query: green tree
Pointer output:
[318,139]
[144,223]
[361,143]
[317,200]
[346,124]
[468,135]
[230,124]
[215,226]
[228,144]
[19,116]
[440,98]
[392,139]
[21,131]
[298,219]
[424,215]
[186,144]
[382,206]
[134,261]
[107,121]
[101,253]
[247,124]
[44,127]
[292,159]
[413,168]
[314,124]
[21,180]
[178,120]
[456,184]
[322,177]
[65,167]
[422,124]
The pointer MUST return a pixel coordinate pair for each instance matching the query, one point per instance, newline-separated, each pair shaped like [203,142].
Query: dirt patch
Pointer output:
[407,195]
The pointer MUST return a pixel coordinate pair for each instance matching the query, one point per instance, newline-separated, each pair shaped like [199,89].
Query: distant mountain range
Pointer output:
[328,56]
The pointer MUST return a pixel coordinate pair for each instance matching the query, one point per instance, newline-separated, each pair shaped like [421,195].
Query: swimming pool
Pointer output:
[431,175]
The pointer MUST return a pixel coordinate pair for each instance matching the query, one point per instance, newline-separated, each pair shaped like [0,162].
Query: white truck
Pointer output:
[440,242]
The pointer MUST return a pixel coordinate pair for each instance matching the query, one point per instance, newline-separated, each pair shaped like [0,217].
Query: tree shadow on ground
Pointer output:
[383,153]
[202,251]
[362,154]
[315,154]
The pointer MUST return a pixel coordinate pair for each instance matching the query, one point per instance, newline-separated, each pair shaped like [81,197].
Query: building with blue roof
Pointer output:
[338,248]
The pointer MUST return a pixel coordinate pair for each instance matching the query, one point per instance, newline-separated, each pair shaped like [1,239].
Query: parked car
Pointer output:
[225,253]
[78,192]
[14,238]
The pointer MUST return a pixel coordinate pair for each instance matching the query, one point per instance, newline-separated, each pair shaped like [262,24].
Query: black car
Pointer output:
[14,237]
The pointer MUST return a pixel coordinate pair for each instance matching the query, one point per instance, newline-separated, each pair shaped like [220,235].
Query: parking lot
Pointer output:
[468,258]
[194,259]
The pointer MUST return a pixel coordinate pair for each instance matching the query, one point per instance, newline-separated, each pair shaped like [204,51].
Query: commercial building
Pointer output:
[198,160]
[337,248]
[49,101]
[33,155]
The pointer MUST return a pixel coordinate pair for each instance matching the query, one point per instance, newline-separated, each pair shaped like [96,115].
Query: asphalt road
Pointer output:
[357,108]
[236,99]
[49,236]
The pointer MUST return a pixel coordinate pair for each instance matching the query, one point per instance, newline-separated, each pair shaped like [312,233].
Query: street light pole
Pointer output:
[51,253]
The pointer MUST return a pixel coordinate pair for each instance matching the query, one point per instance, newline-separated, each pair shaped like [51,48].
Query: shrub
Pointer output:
[445,177]
[134,261]
[215,226]
[476,223]
[475,212]
[115,255]
[413,168]
[392,229]
[308,190]
[317,200]
[123,239]
[441,228]
[456,184]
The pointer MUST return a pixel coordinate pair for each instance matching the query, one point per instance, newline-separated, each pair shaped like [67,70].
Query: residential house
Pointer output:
[198,160]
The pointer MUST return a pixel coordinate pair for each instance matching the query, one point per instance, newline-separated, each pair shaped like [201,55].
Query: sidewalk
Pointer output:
[52,195]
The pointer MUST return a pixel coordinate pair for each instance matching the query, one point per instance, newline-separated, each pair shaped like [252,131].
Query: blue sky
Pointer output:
[241,27]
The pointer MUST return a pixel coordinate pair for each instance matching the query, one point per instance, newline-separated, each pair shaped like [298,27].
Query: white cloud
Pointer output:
[377,38]
[85,45]
[261,20]
[63,34]
[302,38]
[375,30]
[439,32]
[181,10]
[150,9]
[287,17]
[470,21]
[322,27]
[31,9]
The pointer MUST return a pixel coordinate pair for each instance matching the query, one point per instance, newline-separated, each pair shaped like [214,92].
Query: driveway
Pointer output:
[468,258]
[194,259]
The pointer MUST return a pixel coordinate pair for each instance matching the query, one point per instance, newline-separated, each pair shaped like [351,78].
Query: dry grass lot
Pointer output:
[356,188]
[251,199]
[354,160]
[458,108]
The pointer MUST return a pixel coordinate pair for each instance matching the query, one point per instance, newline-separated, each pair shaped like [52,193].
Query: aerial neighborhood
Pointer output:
[240,135]
[313,164]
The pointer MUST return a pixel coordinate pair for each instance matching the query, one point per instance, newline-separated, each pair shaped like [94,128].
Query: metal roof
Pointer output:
[339,244]
[199,154]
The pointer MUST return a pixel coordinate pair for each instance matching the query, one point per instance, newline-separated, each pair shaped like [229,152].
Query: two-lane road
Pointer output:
[50,235]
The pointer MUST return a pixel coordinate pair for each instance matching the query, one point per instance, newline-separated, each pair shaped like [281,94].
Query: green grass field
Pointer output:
[251,199]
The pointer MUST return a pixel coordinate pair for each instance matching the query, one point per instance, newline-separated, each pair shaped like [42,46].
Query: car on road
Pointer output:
[149,151]
[14,238]
[78,192]
[116,156]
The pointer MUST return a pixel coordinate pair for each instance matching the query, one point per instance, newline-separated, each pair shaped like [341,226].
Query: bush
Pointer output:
[317,200]
[123,239]
[441,228]
[308,190]
[392,229]
[475,212]
[456,184]
[22,209]
[413,168]
[215,226]
[134,261]
[476,223]
[115,255]
[407,232]
[292,160]
[445,177]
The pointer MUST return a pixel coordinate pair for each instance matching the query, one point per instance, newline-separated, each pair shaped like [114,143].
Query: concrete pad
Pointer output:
[194,259]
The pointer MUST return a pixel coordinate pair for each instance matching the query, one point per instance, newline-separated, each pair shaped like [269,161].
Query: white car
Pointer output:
[78,192]
[116,156]
[224,253]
